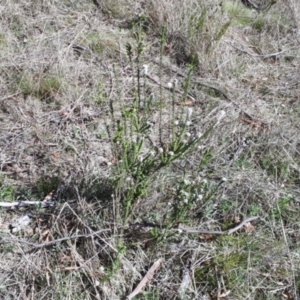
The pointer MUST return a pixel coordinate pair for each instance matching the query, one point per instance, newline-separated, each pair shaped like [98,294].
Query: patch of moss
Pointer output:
[6,192]
[44,88]
[48,87]
[259,24]
[45,185]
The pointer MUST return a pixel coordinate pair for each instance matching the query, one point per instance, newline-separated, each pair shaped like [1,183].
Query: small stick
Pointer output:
[260,55]
[38,246]
[230,231]
[247,220]
[144,281]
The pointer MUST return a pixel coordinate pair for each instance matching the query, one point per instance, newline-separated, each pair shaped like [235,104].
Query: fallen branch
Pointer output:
[270,55]
[255,123]
[146,278]
[24,203]
[43,245]
[144,281]
[230,231]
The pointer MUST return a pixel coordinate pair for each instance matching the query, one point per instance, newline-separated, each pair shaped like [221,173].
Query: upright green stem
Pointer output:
[162,42]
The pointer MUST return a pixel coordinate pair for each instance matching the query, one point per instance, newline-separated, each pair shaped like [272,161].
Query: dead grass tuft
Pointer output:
[207,137]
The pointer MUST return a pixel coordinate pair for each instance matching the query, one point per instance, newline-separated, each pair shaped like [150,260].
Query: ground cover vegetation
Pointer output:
[150,132]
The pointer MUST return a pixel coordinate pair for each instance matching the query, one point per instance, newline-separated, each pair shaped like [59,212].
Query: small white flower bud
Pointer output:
[146,69]
[169,84]
[152,153]
[186,181]
[221,115]
[189,112]
[199,197]
[97,283]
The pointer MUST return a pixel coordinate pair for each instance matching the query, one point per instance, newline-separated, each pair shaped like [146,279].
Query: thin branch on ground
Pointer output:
[43,245]
[230,231]
[25,203]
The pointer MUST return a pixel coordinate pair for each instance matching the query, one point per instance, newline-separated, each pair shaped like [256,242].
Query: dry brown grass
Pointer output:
[63,64]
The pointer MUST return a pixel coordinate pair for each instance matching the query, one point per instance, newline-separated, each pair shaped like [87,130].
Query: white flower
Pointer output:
[189,112]
[186,194]
[224,179]
[101,269]
[186,200]
[220,115]
[172,83]
[169,84]
[152,153]
[146,69]
[199,134]
[188,123]
[188,134]
[160,150]
[176,122]
[186,181]
[199,197]
[171,153]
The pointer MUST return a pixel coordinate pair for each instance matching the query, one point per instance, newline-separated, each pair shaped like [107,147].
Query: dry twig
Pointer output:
[230,231]
[43,245]
[144,281]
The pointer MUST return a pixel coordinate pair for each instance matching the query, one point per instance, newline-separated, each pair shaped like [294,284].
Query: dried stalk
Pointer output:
[144,281]
[230,231]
